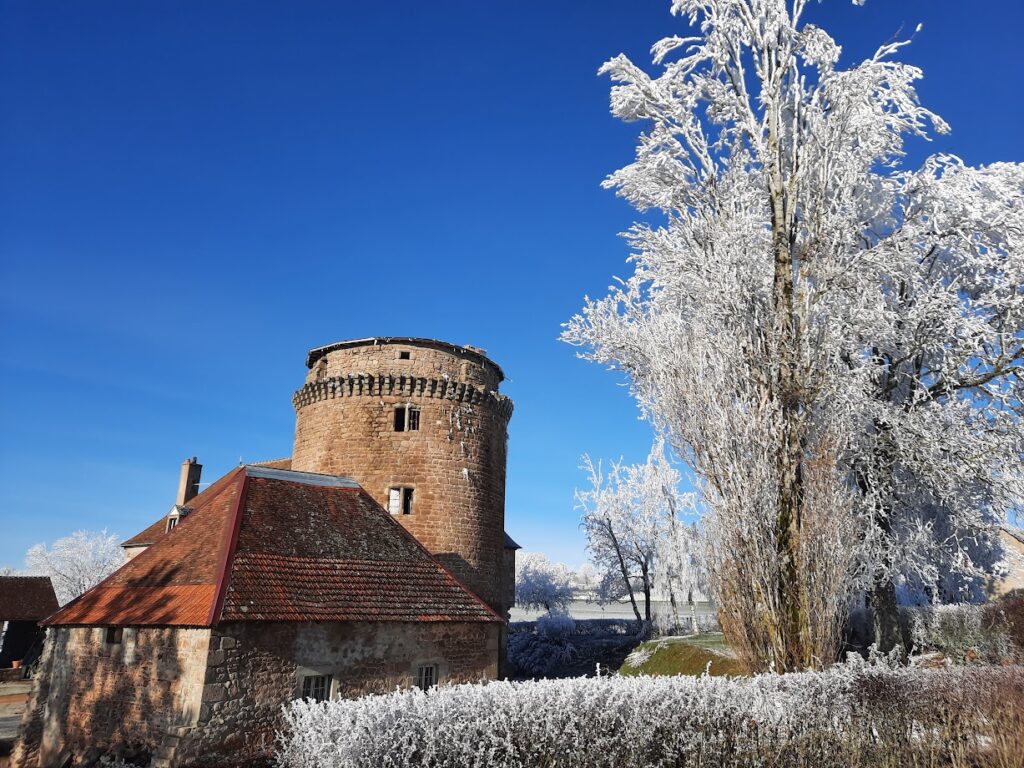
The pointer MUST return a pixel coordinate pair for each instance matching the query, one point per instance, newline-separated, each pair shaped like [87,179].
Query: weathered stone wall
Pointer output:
[255,667]
[90,694]
[455,462]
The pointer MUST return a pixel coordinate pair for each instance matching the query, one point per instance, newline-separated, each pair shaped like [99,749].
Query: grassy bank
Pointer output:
[692,655]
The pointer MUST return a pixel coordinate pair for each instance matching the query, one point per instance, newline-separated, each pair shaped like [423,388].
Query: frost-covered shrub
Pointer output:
[535,655]
[961,632]
[852,715]
[556,624]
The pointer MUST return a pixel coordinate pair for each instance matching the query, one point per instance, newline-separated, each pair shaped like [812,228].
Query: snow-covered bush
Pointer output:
[556,624]
[960,632]
[851,715]
[532,654]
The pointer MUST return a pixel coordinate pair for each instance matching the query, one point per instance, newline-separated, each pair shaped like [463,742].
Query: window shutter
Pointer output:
[395,501]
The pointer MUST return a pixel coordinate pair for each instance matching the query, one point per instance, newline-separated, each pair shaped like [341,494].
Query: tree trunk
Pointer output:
[886,616]
[645,575]
[790,643]
[623,569]
[693,613]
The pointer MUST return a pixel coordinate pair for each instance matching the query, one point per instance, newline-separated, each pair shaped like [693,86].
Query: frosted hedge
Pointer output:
[851,715]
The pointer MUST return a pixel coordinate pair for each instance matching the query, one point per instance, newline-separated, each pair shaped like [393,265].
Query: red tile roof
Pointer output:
[266,544]
[26,598]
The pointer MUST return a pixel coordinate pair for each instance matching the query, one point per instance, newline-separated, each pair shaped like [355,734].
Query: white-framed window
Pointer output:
[426,676]
[172,521]
[407,418]
[316,687]
[400,500]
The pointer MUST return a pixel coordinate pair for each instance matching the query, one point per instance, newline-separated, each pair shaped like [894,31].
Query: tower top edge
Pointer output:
[472,353]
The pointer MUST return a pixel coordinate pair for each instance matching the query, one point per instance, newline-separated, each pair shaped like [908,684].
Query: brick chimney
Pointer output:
[188,485]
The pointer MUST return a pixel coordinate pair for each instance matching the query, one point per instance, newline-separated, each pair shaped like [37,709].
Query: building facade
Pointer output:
[372,558]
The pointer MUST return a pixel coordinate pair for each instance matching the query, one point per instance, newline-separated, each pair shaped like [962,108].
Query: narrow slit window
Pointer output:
[426,676]
[316,687]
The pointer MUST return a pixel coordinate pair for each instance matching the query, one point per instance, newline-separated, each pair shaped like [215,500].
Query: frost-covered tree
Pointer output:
[832,341]
[76,563]
[541,583]
[630,516]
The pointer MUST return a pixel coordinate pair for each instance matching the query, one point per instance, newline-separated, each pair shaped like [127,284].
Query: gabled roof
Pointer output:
[26,598]
[267,544]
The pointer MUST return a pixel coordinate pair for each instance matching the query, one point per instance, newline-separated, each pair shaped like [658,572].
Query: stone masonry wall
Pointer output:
[254,668]
[94,695]
[455,462]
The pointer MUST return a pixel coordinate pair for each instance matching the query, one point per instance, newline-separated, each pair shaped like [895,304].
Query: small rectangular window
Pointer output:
[407,418]
[403,355]
[114,635]
[400,501]
[171,522]
[316,687]
[426,676]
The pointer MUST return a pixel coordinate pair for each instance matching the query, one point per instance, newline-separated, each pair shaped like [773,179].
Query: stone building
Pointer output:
[375,556]
[24,602]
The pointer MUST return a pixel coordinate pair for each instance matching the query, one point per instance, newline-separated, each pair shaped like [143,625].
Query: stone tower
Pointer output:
[420,424]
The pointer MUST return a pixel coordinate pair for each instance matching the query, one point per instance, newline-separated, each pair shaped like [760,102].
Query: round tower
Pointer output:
[420,424]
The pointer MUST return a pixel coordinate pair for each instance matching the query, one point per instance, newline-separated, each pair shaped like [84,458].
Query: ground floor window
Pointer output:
[316,687]
[114,635]
[426,676]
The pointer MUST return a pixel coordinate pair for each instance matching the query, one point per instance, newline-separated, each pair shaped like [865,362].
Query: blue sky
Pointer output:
[194,194]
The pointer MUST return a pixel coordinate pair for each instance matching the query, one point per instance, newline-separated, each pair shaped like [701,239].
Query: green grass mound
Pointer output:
[682,656]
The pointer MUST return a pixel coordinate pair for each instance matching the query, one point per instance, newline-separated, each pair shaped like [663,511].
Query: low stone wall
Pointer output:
[89,695]
[254,668]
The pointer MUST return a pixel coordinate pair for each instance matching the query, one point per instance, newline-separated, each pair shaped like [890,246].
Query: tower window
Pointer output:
[400,501]
[407,418]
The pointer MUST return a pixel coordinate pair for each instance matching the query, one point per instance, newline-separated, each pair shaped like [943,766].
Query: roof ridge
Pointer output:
[141,557]
[230,546]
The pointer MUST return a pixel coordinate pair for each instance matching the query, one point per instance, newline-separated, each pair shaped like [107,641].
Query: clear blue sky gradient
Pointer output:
[193,194]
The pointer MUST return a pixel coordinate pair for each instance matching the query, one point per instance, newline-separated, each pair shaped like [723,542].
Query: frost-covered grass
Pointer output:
[852,715]
[682,656]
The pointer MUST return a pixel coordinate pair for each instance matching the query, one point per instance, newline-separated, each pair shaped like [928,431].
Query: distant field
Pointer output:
[580,609]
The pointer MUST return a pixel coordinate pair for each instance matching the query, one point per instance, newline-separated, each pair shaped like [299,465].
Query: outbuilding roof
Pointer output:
[265,544]
[26,598]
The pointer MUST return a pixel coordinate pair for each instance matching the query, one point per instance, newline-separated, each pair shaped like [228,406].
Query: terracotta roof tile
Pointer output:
[186,605]
[266,544]
[26,598]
